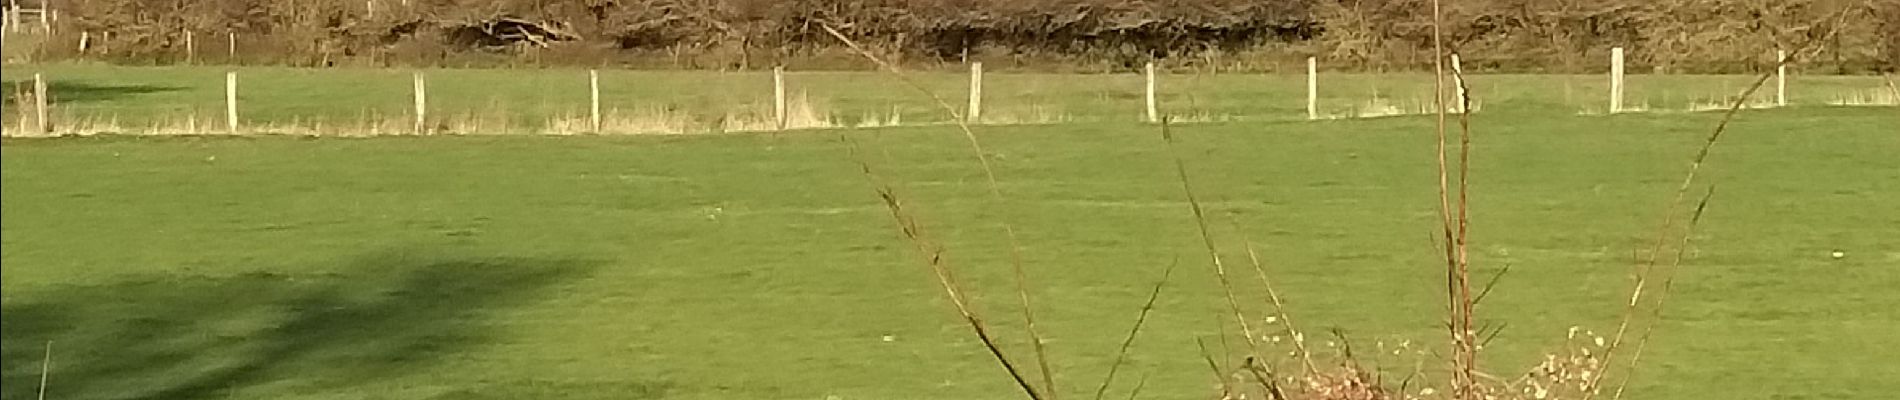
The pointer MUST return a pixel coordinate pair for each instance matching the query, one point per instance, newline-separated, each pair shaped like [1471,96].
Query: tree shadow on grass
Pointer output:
[80,92]
[189,337]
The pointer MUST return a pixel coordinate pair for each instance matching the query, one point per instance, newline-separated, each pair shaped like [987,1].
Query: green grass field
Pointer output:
[765,266]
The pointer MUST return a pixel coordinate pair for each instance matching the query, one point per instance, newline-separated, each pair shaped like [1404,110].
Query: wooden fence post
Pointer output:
[1781,78]
[230,102]
[422,104]
[1458,78]
[191,49]
[1616,80]
[1154,113]
[778,96]
[593,89]
[976,92]
[39,104]
[1312,88]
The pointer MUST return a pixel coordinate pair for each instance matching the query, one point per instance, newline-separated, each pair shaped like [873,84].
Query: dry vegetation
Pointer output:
[1515,35]
[1275,359]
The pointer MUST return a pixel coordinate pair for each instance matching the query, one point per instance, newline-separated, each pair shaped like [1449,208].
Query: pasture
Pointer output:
[763,265]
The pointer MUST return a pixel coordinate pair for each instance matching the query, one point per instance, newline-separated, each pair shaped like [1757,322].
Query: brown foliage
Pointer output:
[1517,35]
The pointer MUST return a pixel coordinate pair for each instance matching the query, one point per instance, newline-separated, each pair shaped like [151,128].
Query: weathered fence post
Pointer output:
[1458,78]
[230,47]
[191,49]
[230,102]
[1154,113]
[593,89]
[1616,80]
[1781,78]
[1312,88]
[422,104]
[778,96]
[39,105]
[976,92]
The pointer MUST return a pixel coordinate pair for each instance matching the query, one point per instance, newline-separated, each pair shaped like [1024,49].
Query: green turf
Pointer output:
[762,266]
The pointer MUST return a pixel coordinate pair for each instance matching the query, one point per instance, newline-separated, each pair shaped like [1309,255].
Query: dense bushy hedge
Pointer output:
[1548,35]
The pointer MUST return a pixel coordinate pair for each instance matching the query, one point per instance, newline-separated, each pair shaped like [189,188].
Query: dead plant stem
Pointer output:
[996,193]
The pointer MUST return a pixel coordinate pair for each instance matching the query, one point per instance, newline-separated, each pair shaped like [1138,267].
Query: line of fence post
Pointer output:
[1616,80]
[1312,88]
[974,112]
[230,102]
[1154,112]
[976,93]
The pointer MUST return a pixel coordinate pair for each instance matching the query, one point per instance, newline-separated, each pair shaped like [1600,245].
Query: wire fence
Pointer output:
[57,99]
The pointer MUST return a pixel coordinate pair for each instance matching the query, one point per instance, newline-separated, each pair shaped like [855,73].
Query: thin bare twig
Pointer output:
[1226,388]
[1457,262]
[1273,297]
[996,194]
[1264,377]
[1207,238]
[1140,383]
[1493,335]
[1643,268]
[1121,355]
[1468,305]
[1642,341]
[933,257]
[46,369]
[1491,284]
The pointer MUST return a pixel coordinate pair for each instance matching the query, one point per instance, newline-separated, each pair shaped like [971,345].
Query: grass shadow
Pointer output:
[186,337]
[80,92]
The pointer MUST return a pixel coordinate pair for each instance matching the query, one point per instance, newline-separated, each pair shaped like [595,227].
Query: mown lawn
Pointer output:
[764,266]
